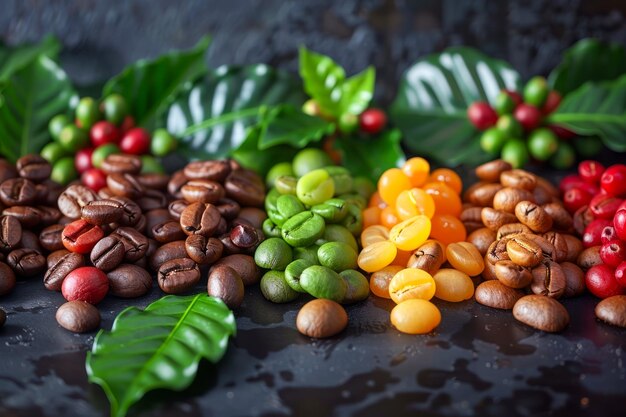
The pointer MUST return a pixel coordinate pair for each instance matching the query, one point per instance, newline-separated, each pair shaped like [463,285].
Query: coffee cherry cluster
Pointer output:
[597,198]
[99,130]
[514,128]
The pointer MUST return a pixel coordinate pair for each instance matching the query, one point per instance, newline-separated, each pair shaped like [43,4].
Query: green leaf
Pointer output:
[211,118]
[249,155]
[588,60]
[159,347]
[150,86]
[371,156]
[357,92]
[28,100]
[596,109]
[13,59]
[285,125]
[432,101]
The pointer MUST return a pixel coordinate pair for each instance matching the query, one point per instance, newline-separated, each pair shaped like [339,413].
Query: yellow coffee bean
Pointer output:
[452,285]
[415,316]
[466,258]
[411,283]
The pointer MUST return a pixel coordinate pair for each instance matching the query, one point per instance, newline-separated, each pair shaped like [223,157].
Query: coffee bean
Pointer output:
[244,236]
[55,256]
[108,253]
[132,212]
[176,207]
[30,241]
[533,216]
[202,191]
[254,215]
[105,193]
[154,181]
[208,170]
[518,178]
[18,192]
[489,273]
[177,180]
[141,225]
[321,318]
[561,219]
[28,216]
[60,268]
[541,312]
[512,275]
[124,185]
[152,200]
[200,218]
[541,196]
[7,170]
[574,247]
[612,310]
[167,252]
[495,219]
[523,251]
[101,212]
[225,283]
[548,249]
[482,238]
[178,275]
[203,250]
[481,194]
[78,316]
[74,198]
[245,187]
[491,171]
[507,198]
[497,251]
[135,244]
[548,279]
[121,164]
[228,208]
[497,295]
[222,227]
[512,229]
[244,264]
[80,236]
[428,257]
[33,167]
[471,218]
[48,215]
[589,257]
[129,281]
[582,218]
[7,279]
[26,262]
[153,245]
[10,233]
[168,231]
[48,193]
[574,280]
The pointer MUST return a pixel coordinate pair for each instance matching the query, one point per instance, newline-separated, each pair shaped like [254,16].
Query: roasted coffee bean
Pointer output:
[471,218]
[74,198]
[203,250]
[518,178]
[489,273]
[541,196]
[176,207]
[135,244]
[64,220]
[548,279]
[582,218]
[481,194]
[55,256]
[78,316]
[101,212]
[244,236]
[129,281]
[48,216]
[321,318]
[121,164]
[560,245]
[495,219]
[30,241]
[168,231]
[228,208]
[497,295]
[154,181]
[491,171]
[229,247]
[178,275]
[33,167]
[589,257]
[80,236]
[152,200]
[26,262]
[108,253]
[28,216]
[200,218]
[124,185]
[512,275]
[105,193]
[7,170]
[132,212]
[507,198]
[48,193]
[533,216]
[202,191]
[561,219]
[222,227]
[548,249]
[225,283]
[18,192]
[244,264]
[245,187]
[574,247]
[10,233]
[512,229]
[574,280]
[482,238]
[167,252]
[541,312]
[141,225]
[153,245]
[7,279]
[612,310]
[254,215]
[428,257]
[58,270]
[497,251]
[523,251]
[177,180]
[154,218]
[208,170]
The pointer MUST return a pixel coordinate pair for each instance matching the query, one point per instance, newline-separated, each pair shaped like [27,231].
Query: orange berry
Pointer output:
[371,216]
[391,183]
[447,229]
[446,200]
[448,177]
[417,170]
[388,217]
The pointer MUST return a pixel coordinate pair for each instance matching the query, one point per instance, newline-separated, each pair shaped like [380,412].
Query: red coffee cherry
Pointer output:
[104,132]
[575,198]
[613,180]
[82,160]
[575,181]
[608,235]
[591,171]
[87,284]
[552,102]
[81,236]
[619,223]
[601,282]
[94,178]
[620,274]
[613,253]
[135,142]
[593,232]
[604,206]
[127,124]
[482,115]
[562,132]
[517,97]
[372,121]
[528,116]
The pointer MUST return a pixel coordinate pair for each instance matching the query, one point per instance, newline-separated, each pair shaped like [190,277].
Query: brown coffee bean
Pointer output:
[129,281]
[321,318]
[124,185]
[17,192]
[10,233]
[131,211]
[574,280]
[428,257]
[141,225]
[153,245]
[121,164]
[7,170]
[33,167]
[177,180]
[229,247]
[216,170]
[548,279]
[135,244]
[26,262]
[154,218]
[582,218]
[612,310]
[482,239]
[541,312]
[167,252]
[48,193]
[100,212]
[518,178]
[541,196]
[30,241]
[497,251]
[225,283]
[202,191]
[178,275]
[74,198]
[589,257]
[154,181]
[548,249]
[203,250]
[176,207]
[254,215]
[574,247]
[7,279]
[168,231]
[470,217]
[55,256]
[78,316]
[60,268]
[507,198]
[561,219]
[489,273]
[491,171]
[244,264]
[105,193]
[245,187]
[523,251]
[495,219]
[481,194]
[497,295]
[28,216]
[152,200]
[512,229]
[244,236]
[228,208]
[200,218]
[108,253]
[533,216]
[560,245]
[512,275]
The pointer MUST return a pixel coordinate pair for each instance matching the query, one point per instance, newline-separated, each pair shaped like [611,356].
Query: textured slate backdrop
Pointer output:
[101,37]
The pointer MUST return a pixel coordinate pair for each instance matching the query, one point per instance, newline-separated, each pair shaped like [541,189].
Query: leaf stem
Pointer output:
[224,118]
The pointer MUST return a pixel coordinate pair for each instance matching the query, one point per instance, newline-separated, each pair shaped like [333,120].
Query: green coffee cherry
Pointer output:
[294,271]
[87,112]
[303,229]
[564,157]
[270,229]
[64,171]
[504,103]
[73,138]
[309,159]
[515,153]
[149,165]
[286,184]
[348,122]
[536,91]
[338,233]
[492,140]
[57,123]
[542,144]
[337,256]
[341,178]
[52,152]
[333,210]
[510,127]
[308,253]
[101,152]
[322,282]
[278,170]
[115,109]
[162,143]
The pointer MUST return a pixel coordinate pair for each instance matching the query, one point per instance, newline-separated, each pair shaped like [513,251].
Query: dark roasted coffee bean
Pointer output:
[105,193]
[141,263]
[154,181]
[141,225]
[152,200]
[244,264]
[135,244]
[26,262]
[177,180]
[507,198]
[124,185]
[489,273]
[64,220]
[129,281]
[254,215]
[7,170]
[560,245]
[18,192]
[33,167]
[533,216]
[245,187]
[548,279]
[225,283]
[132,212]
[78,316]
[74,198]
[490,171]
[100,212]
[589,257]
[178,275]
[176,207]
[48,193]
[48,215]
[244,236]
[512,275]
[108,253]
[471,219]
[481,194]
[55,256]
[154,218]
[208,170]
[574,280]
[168,231]
[203,250]
[229,247]
[482,238]
[28,216]
[30,241]
[7,279]
[541,312]
[228,208]
[58,270]
[495,219]
[561,219]
[153,245]
[200,218]
[167,252]
[497,295]
[10,233]
[121,164]
[518,178]
[428,257]
[222,227]
[523,251]
[202,191]
[612,310]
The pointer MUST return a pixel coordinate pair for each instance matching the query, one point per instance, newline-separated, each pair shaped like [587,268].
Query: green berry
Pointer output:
[163,143]
[504,103]
[73,138]
[348,122]
[150,165]
[542,143]
[278,170]
[309,159]
[64,171]
[101,152]
[492,140]
[536,91]
[87,112]
[515,153]
[52,152]
[115,108]
[509,126]
[564,157]
[57,123]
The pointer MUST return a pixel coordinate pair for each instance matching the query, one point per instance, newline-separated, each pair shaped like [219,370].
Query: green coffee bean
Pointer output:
[270,200]
[337,256]
[273,253]
[309,159]
[275,288]
[354,199]
[270,229]
[286,184]
[322,282]
[358,287]
[288,205]
[293,272]
[315,187]
[364,187]
[333,210]
[308,253]
[338,233]
[303,229]
[341,178]
[354,220]
[282,168]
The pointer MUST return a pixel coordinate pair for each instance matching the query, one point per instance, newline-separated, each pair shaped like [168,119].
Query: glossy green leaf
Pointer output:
[211,118]
[249,155]
[357,92]
[432,101]
[286,125]
[13,59]
[28,100]
[149,86]
[596,109]
[159,347]
[588,60]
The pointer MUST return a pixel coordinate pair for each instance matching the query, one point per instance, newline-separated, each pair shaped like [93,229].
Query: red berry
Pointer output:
[104,132]
[613,180]
[135,142]
[591,171]
[528,116]
[372,121]
[517,97]
[601,282]
[82,160]
[613,253]
[127,124]
[562,132]
[575,198]
[81,236]
[569,181]
[552,102]
[87,284]
[593,232]
[620,274]
[604,206]
[482,115]
[608,235]
[619,223]
[94,178]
